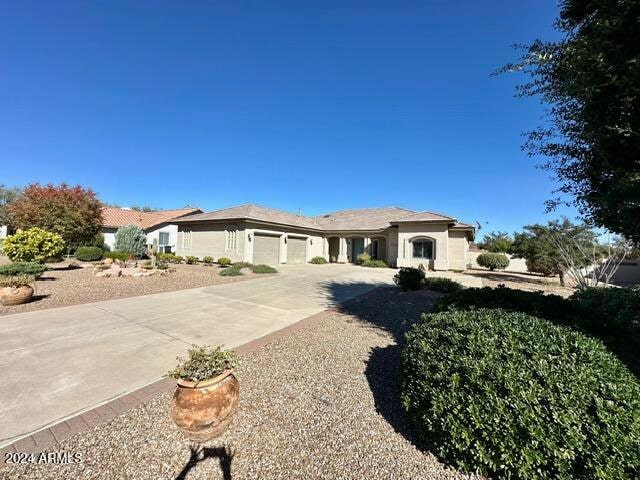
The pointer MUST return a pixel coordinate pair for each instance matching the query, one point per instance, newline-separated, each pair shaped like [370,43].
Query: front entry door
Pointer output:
[357,247]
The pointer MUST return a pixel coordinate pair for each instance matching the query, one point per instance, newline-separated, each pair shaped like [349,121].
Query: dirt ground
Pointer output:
[62,285]
[522,281]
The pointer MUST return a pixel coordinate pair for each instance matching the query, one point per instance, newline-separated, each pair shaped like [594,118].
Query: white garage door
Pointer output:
[296,250]
[266,249]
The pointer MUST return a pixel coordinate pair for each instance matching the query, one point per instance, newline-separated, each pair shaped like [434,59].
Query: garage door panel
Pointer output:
[266,249]
[296,250]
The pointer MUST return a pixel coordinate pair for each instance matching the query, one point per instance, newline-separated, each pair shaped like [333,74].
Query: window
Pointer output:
[231,240]
[163,238]
[423,249]
[186,239]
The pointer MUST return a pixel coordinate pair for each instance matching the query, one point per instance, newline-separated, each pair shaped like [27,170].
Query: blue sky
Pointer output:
[295,105]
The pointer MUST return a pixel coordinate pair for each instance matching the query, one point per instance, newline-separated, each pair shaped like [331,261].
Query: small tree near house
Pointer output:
[74,213]
[131,239]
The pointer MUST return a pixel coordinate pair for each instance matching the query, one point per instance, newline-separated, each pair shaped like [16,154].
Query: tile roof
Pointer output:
[256,213]
[361,219]
[425,216]
[365,219]
[119,217]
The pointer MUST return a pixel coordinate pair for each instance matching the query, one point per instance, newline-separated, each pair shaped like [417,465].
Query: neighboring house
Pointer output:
[257,234]
[157,225]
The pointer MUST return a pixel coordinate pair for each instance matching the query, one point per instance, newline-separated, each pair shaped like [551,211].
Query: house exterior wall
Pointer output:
[392,247]
[314,240]
[210,239]
[171,229]
[438,232]
[458,250]
[109,237]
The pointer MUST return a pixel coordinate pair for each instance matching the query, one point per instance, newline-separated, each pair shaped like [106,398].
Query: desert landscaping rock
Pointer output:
[321,403]
[61,286]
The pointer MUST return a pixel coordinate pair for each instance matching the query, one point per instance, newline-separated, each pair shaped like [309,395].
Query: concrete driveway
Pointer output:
[59,362]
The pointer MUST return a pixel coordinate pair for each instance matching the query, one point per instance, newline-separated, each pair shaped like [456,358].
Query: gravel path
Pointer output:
[321,403]
[60,286]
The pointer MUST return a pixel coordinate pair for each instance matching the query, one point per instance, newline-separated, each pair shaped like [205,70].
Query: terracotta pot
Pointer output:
[203,410]
[15,295]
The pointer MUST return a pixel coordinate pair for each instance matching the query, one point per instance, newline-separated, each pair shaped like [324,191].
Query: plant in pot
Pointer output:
[206,397]
[15,289]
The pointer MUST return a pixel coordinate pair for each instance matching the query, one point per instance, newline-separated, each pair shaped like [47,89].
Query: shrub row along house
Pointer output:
[157,225]
[258,235]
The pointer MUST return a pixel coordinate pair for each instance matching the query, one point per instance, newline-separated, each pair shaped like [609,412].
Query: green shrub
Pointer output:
[89,254]
[613,311]
[16,280]
[442,284]
[508,395]
[552,307]
[22,268]
[33,245]
[122,256]
[372,263]
[232,271]
[132,240]
[493,261]
[362,258]
[166,257]
[207,260]
[409,278]
[176,259]
[318,260]
[243,265]
[224,261]
[204,363]
[191,260]
[263,269]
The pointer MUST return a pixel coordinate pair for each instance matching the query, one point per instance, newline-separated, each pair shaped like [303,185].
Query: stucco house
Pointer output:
[258,234]
[157,225]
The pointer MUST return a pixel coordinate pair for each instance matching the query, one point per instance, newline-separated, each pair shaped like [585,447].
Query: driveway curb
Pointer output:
[48,437]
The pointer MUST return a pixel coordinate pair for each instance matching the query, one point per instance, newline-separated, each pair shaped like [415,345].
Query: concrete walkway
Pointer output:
[59,362]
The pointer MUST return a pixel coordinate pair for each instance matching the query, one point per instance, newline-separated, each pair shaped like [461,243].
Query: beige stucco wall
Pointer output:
[438,232]
[314,240]
[458,250]
[208,239]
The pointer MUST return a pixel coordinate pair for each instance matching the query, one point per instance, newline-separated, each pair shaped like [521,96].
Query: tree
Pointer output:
[131,239]
[72,212]
[591,81]
[538,246]
[7,196]
[144,208]
[496,242]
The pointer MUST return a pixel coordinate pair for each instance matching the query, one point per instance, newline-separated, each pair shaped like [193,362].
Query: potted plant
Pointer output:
[15,289]
[206,397]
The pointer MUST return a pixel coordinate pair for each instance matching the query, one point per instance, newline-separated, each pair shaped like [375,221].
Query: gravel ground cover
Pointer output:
[61,286]
[522,281]
[321,403]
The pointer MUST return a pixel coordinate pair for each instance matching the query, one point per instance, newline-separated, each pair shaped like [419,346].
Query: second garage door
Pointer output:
[266,249]
[296,250]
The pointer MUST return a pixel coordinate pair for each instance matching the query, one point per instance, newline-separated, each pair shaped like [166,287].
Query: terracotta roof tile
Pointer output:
[119,217]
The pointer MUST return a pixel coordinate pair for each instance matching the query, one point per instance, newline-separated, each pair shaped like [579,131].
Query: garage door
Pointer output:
[296,250]
[266,249]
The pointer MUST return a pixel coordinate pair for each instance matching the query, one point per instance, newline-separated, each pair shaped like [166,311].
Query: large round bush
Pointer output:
[33,245]
[493,261]
[509,395]
[131,239]
[89,254]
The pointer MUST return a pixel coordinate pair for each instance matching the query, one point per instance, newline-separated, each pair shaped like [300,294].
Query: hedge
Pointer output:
[509,395]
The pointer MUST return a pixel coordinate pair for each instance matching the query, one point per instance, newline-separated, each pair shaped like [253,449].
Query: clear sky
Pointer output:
[295,105]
